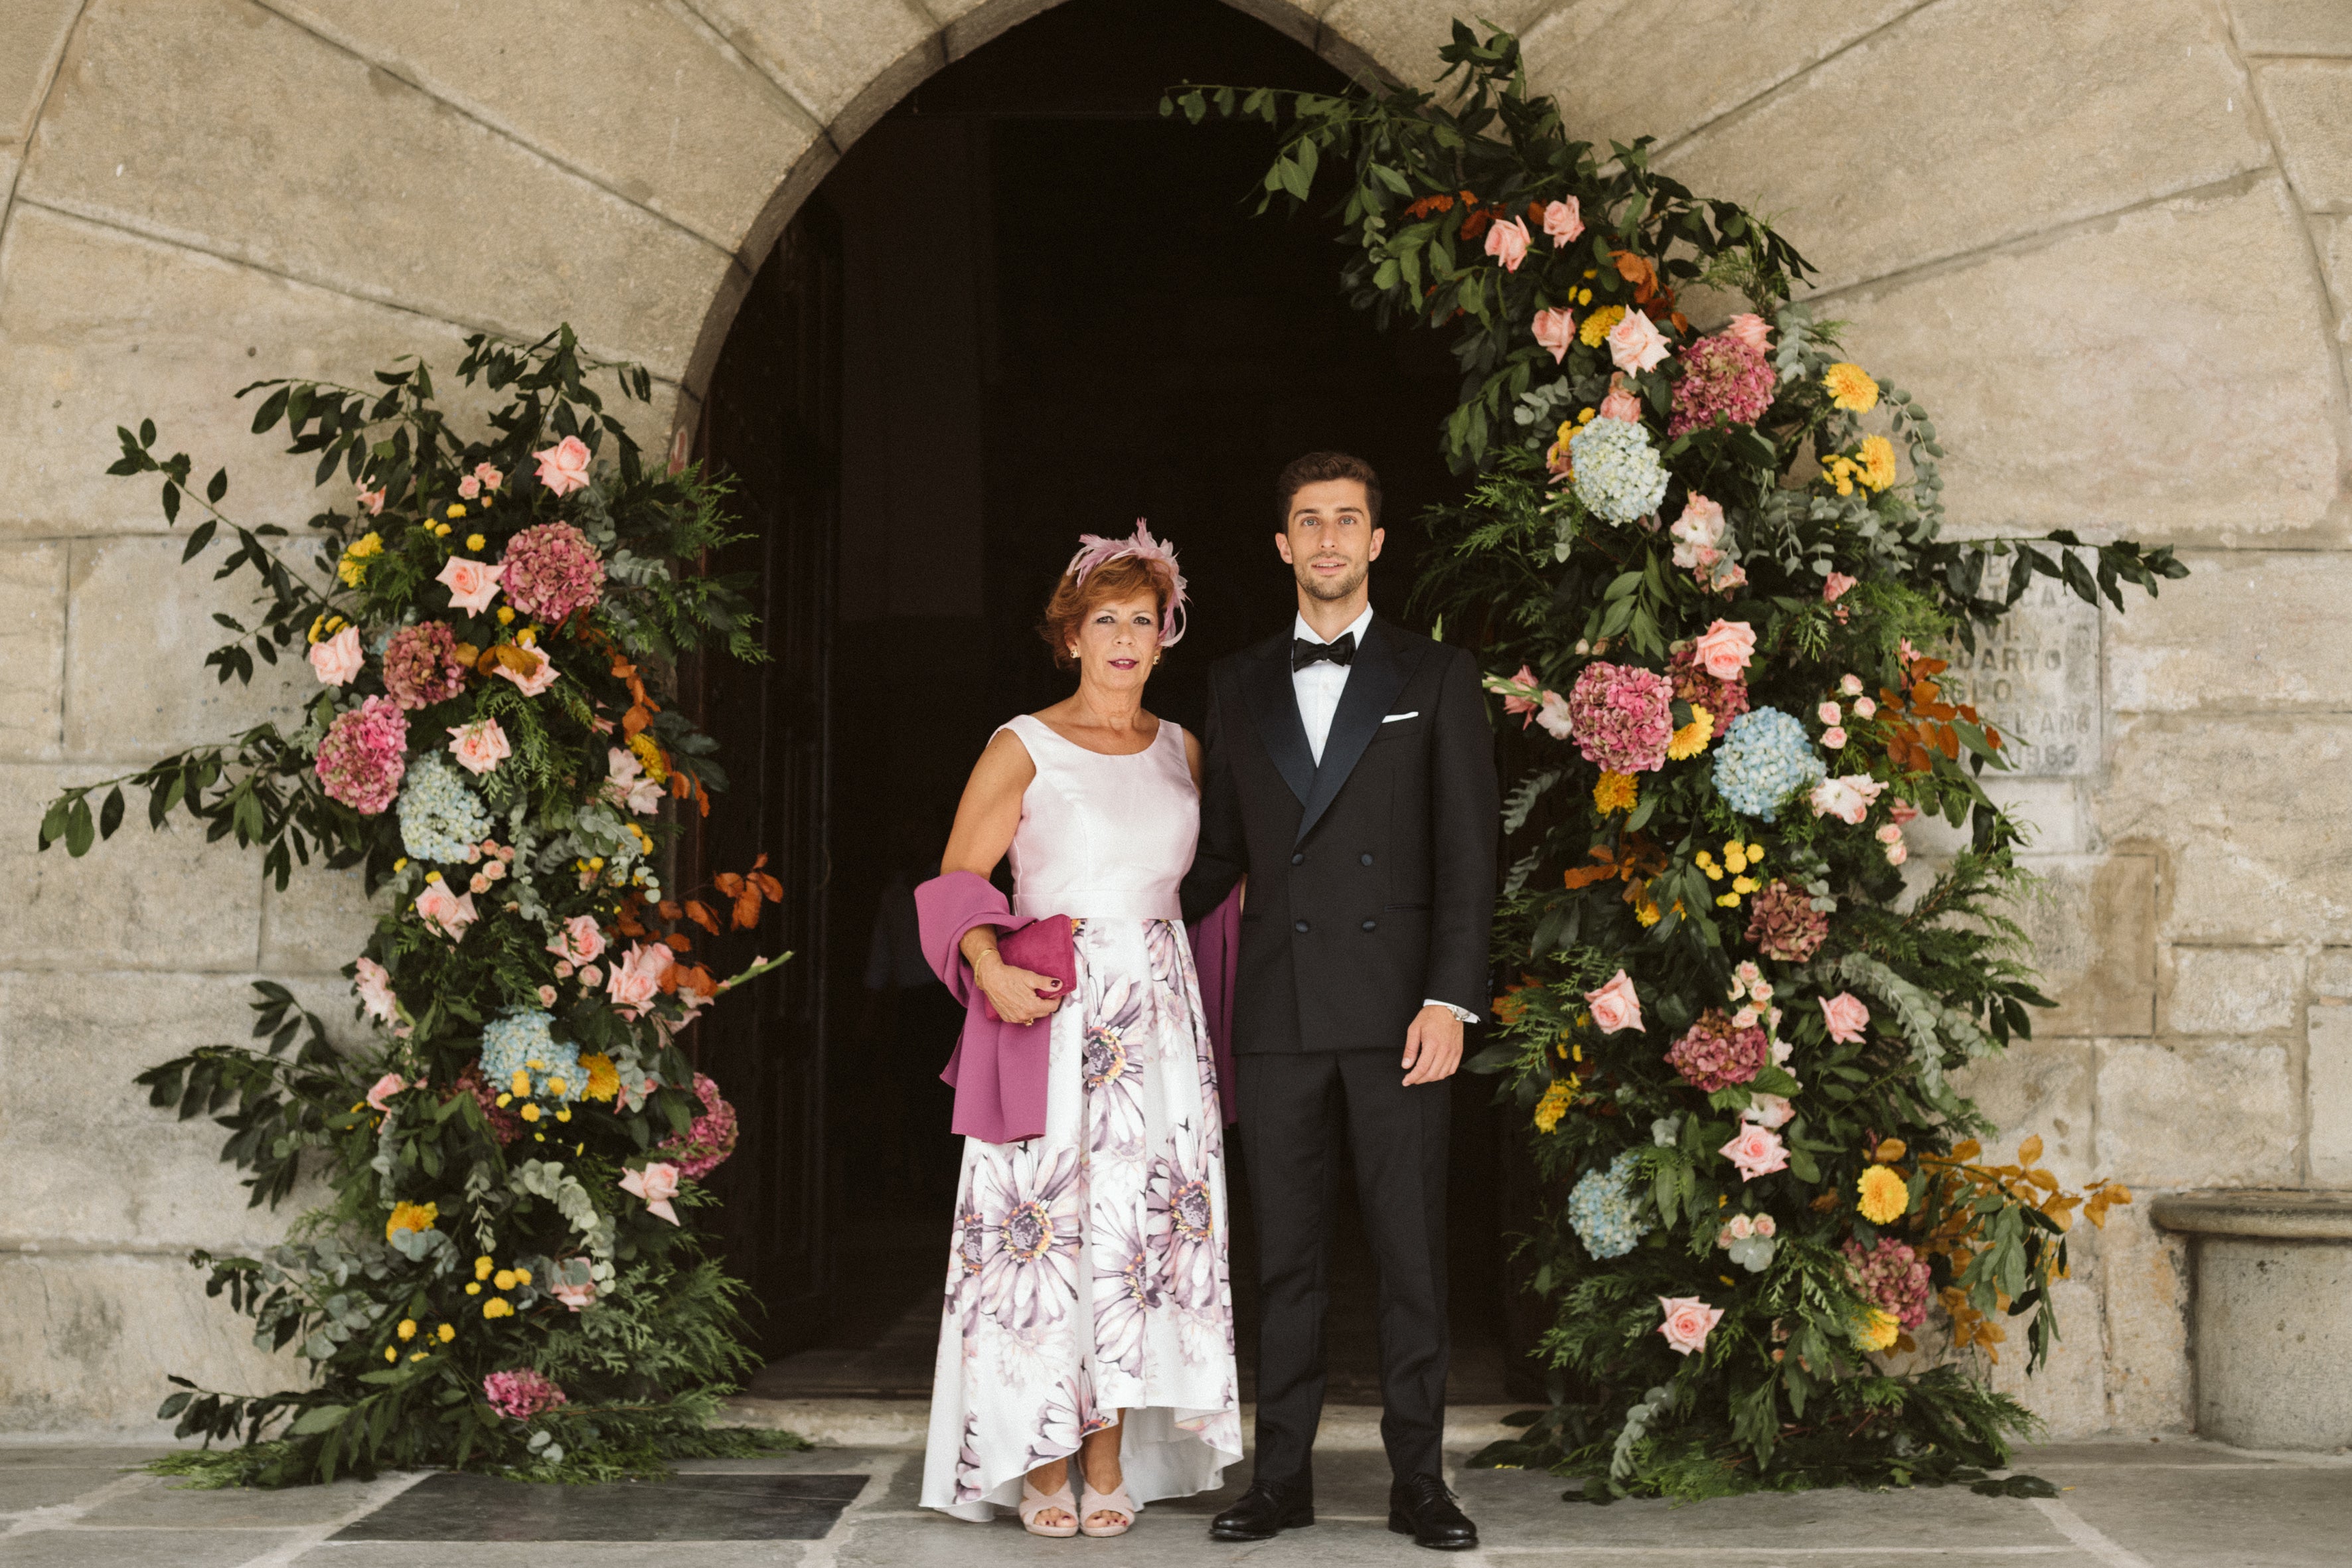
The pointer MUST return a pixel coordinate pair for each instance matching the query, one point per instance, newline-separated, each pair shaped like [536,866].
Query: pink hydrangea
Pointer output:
[420,666]
[1714,1053]
[1724,699]
[1723,378]
[710,1139]
[1622,717]
[1891,1275]
[363,756]
[551,570]
[521,1394]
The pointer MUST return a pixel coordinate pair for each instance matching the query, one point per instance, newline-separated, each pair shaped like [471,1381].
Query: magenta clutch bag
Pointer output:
[1042,947]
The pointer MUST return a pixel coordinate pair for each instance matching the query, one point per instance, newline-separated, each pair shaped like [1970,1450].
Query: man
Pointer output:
[1350,776]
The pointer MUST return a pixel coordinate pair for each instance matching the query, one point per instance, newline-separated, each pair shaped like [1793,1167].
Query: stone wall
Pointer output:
[2110,241]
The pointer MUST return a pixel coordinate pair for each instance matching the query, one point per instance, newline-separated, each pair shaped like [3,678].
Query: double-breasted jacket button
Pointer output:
[1366,857]
[1300,926]
[1371,925]
[1298,858]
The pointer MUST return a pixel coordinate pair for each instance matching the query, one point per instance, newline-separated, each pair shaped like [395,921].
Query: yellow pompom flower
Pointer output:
[1706,862]
[1728,901]
[475,541]
[445,1334]
[1883,1194]
[604,1077]
[1876,1331]
[391,1353]
[1743,884]
[1615,793]
[1850,388]
[1735,856]
[506,615]
[522,1276]
[1597,327]
[497,1306]
[482,1267]
[1842,473]
[1647,912]
[649,752]
[411,1217]
[1554,1103]
[530,1114]
[504,1279]
[473,1288]
[1692,738]
[519,1086]
[1877,462]
[408,1329]
[455,511]
[418,1355]
[352,568]
[557,1087]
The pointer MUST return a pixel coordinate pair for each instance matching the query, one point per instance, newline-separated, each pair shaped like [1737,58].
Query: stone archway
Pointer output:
[2024,209]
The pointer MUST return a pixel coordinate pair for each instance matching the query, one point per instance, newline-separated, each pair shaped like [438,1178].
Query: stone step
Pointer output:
[904,1423]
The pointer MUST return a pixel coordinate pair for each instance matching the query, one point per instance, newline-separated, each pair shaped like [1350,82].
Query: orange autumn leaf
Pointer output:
[668,909]
[700,913]
[678,941]
[728,883]
[747,910]
[1439,203]
[1637,270]
[2029,1151]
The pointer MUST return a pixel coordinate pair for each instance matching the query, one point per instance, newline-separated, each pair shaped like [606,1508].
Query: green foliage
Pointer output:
[474,1218]
[1811,519]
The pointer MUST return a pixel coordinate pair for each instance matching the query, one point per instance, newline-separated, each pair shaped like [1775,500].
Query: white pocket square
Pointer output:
[1395,717]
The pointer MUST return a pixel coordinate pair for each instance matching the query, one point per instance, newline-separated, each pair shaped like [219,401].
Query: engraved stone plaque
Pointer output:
[2036,678]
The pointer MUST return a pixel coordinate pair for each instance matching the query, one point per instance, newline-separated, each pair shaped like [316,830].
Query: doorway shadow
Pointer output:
[1022,307]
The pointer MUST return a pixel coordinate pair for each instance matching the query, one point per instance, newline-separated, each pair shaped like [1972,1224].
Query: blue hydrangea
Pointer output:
[1605,1211]
[441,818]
[1765,757]
[525,1042]
[1617,475]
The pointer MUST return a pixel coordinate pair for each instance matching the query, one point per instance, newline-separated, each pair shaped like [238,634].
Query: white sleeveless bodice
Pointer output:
[1105,837]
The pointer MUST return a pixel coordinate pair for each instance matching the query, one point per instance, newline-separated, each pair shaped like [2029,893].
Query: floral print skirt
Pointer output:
[1087,1273]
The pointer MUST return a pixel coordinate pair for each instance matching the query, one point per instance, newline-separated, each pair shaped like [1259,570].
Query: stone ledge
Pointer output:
[906,1423]
[2280,1215]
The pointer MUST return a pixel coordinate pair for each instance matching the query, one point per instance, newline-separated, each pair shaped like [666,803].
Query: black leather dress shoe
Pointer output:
[1422,1507]
[1265,1512]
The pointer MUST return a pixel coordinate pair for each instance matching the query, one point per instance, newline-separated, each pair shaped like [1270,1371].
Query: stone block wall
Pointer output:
[2109,241]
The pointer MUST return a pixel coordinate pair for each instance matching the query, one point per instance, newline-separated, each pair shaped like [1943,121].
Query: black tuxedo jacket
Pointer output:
[1371,876]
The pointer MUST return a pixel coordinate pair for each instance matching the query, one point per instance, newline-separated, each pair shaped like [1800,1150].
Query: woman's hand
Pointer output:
[1013,992]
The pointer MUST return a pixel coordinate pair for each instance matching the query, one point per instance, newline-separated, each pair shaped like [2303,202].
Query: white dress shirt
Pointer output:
[1318,688]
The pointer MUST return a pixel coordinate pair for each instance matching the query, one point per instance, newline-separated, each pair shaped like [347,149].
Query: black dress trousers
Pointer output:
[1290,1136]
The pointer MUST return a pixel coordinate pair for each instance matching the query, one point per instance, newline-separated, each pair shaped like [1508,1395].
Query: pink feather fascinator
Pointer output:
[1094,551]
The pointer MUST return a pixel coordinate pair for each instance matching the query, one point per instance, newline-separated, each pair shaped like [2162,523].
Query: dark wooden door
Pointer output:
[772,426]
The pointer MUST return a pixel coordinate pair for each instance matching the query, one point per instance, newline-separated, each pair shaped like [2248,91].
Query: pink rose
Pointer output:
[1724,649]
[1755,1151]
[564,468]
[636,979]
[1750,329]
[1556,330]
[1834,737]
[1848,798]
[387,1086]
[1552,714]
[1888,833]
[1620,403]
[1563,220]
[591,976]
[1846,1017]
[488,477]
[1615,1006]
[581,940]
[1768,1110]
[1850,685]
[1828,713]
[1506,242]
[370,502]
[577,1296]
[1897,852]
[1864,708]
[480,746]
[1689,1323]
[338,658]
[452,912]
[472,584]
[538,680]
[656,1184]
[478,883]
[1634,342]
[547,995]
[468,487]
[1738,1228]
[374,984]
[1902,811]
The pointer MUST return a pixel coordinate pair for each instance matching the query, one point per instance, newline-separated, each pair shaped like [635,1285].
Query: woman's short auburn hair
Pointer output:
[1072,602]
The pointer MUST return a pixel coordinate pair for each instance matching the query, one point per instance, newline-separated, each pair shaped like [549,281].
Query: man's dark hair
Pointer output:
[1315,468]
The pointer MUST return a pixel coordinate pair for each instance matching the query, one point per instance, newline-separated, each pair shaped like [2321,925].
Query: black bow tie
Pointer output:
[1305,651]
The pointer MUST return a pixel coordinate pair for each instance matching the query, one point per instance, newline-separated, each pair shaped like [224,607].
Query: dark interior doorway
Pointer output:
[1022,308]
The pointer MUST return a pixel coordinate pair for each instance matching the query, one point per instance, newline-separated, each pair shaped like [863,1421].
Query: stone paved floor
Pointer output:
[2175,1504]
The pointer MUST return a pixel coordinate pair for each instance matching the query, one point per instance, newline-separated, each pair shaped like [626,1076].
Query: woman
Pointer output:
[1089,1312]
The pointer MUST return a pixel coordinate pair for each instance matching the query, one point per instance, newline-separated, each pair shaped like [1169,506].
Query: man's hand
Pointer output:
[1432,1046]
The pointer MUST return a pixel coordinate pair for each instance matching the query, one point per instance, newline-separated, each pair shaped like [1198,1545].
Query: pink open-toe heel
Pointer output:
[1114,1502]
[1035,1502]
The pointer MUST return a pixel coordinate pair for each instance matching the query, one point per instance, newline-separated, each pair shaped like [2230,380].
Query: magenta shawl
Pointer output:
[998,1070]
